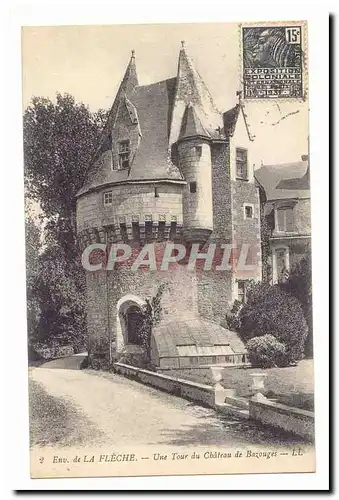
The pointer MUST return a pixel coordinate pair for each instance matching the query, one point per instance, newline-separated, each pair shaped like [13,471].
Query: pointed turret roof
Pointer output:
[190,89]
[163,112]
[130,79]
[191,125]
[127,85]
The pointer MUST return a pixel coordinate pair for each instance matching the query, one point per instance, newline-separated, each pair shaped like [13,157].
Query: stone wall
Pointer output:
[302,216]
[97,310]
[294,420]
[131,202]
[192,391]
[246,231]
[222,196]
[105,289]
[214,294]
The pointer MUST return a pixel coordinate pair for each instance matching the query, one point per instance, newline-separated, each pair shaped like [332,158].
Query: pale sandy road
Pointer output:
[128,413]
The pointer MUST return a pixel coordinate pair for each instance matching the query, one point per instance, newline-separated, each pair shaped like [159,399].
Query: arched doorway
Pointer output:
[129,321]
[134,324]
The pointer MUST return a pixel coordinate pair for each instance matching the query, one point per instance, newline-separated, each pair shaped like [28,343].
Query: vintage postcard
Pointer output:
[168,249]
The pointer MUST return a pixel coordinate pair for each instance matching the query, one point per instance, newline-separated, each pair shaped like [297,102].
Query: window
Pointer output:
[248,211]
[136,230]
[241,163]
[193,187]
[198,151]
[123,232]
[242,291]
[148,230]
[156,192]
[284,219]
[161,230]
[281,264]
[124,152]
[108,198]
[173,231]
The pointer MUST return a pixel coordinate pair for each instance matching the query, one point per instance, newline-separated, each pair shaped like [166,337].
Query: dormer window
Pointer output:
[284,220]
[124,154]
[241,164]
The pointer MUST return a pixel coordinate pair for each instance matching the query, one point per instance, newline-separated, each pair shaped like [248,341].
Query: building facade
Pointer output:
[171,168]
[286,209]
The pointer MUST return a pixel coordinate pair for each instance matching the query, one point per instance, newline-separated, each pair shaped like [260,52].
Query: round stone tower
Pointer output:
[150,185]
[194,154]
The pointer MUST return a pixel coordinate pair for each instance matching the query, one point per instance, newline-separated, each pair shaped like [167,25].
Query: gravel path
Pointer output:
[124,412]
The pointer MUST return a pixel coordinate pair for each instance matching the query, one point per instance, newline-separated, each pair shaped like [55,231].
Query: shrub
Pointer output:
[133,359]
[299,284]
[51,350]
[272,311]
[232,317]
[84,363]
[266,351]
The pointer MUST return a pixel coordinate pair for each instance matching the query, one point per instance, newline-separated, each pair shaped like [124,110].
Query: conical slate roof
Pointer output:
[191,89]
[191,125]
[162,113]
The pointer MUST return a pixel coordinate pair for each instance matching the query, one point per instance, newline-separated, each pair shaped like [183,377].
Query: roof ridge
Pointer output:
[154,83]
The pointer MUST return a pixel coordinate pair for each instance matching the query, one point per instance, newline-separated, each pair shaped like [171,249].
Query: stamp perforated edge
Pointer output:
[304,37]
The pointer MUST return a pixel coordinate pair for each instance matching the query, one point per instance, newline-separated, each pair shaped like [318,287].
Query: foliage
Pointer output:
[151,312]
[272,311]
[52,350]
[266,225]
[133,359]
[59,289]
[232,317]
[32,261]
[84,363]
[266,351]
[299,284]
[60,140]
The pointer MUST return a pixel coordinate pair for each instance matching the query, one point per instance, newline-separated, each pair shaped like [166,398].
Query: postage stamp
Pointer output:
[272,58]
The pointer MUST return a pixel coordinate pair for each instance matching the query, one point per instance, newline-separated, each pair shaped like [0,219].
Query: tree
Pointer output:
[299,284]
[33,243]
[272,311]
[266,351]
[59,144]
[60,140]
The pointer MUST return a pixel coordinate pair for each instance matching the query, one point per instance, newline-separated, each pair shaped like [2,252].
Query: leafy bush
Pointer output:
[272,311]
[51,350]
[266,351]
[299,284]
[84,363]
[232,317]
[133,359]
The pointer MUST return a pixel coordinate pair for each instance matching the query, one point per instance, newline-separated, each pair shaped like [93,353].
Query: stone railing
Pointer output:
[193,391]
[287,418]
[258,408]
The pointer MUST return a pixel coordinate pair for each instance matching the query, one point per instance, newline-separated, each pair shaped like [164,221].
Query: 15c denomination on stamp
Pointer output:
[272,58]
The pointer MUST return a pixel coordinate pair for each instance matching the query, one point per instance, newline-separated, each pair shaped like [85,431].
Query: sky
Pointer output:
[89,62]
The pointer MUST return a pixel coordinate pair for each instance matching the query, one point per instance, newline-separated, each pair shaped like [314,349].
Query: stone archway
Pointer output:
[134,319]
[128,321]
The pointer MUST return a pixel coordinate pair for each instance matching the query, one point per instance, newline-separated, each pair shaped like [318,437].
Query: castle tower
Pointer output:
[194,153]
[162,161]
